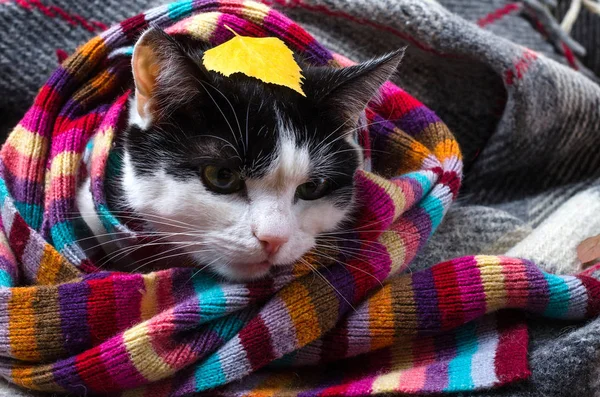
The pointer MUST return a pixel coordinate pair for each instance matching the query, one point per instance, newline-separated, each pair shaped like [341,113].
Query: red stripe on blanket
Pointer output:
[498,14]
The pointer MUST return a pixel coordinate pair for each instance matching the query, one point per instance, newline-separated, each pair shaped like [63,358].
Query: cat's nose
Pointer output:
[271,244]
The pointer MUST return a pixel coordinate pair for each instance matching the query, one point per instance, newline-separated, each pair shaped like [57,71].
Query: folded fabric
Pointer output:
[68,327]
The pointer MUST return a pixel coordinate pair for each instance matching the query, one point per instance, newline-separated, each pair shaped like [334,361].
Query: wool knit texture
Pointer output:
[69,327]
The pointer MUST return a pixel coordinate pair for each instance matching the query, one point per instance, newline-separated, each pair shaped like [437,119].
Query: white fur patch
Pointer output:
[223,231]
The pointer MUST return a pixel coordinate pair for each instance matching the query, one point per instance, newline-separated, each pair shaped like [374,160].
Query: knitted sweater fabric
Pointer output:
[513,214]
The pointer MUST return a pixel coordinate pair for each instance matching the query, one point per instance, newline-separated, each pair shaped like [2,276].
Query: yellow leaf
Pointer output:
[265,58]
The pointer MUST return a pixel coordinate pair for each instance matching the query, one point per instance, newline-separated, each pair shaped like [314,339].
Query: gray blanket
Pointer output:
[527,122]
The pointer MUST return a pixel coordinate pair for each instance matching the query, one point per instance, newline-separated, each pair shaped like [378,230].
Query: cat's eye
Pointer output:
[222,180]
[314,189]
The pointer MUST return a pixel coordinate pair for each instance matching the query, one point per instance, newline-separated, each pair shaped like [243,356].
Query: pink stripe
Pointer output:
[412,380]
[410,235]
[175,353]
[21,166]
[408,190]
[64,192]
[516,284]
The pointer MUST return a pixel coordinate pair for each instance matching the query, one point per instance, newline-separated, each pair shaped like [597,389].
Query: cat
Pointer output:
[239,175]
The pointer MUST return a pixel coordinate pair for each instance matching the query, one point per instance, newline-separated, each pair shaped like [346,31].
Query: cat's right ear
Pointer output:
[163,73]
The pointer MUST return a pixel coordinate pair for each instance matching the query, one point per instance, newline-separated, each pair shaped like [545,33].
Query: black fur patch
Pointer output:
[201,117]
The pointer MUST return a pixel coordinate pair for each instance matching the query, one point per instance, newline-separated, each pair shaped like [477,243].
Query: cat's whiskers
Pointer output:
[162,236]
[356,253]
[124,251]
[314,269]
[186,253]
[194,274]
[348,265]
[128,217]
[247,118]
[205,83]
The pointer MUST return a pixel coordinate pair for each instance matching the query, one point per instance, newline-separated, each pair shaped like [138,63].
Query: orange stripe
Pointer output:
[381,318]
[273,385]
[302,312]
[446,149]
[50,266]
[21,327]
[23,376]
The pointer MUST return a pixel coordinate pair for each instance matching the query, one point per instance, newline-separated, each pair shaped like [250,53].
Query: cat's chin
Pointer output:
[244,271]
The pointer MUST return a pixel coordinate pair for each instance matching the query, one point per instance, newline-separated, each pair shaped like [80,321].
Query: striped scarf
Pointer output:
[364,326]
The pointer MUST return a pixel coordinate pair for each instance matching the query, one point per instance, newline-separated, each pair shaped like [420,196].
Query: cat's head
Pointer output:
[245,175]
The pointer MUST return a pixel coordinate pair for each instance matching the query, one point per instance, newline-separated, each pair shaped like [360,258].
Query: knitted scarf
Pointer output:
[360,326]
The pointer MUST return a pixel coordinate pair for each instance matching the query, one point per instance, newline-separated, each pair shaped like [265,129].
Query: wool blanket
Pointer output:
[74,328]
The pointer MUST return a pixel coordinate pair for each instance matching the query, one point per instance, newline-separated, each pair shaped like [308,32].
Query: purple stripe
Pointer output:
[184,383]
[72,109]
[416,189]
[56,209]
[538,288]
[73,300]
[426,299]
[98,191]
[416,120]
[21,190]
[341,280]
[420,218]
[436,377]
[66,375]
[380,133]
[188,311]
[320,56]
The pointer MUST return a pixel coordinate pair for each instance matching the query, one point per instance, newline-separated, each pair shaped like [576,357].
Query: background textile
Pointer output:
[527,122]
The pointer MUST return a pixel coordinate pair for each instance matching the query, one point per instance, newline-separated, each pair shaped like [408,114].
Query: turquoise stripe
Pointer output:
[227,327]
[211,298]
[31,213]
[210,373]
[3,192]
[179,9]
[108,219]
[460,367]
[5,279]
[421,179]
[62,235]
[560,296]
[435,209]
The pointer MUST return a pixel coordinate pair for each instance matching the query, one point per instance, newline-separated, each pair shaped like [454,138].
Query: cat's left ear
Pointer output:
[347,91]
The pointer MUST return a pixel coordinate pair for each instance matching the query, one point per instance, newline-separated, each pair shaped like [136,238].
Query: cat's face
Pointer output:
[241,175]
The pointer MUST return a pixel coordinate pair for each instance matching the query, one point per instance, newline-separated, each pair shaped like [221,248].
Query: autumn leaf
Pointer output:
[265,58]
[589,249]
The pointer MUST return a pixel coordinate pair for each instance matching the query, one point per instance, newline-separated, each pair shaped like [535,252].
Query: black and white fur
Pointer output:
[274,137]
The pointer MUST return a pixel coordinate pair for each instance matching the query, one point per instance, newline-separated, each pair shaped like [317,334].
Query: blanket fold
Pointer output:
[67,326]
